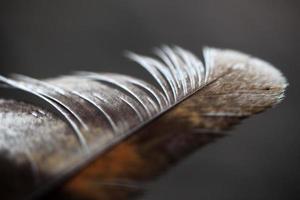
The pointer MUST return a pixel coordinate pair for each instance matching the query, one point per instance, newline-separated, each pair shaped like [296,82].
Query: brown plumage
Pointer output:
[106,134]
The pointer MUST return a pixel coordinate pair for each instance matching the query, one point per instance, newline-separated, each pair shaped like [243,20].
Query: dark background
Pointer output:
[261,160]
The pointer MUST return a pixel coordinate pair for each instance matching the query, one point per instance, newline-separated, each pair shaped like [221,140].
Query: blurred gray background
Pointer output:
[261,160]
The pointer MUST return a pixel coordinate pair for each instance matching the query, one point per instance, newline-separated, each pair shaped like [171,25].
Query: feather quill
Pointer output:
[130,129]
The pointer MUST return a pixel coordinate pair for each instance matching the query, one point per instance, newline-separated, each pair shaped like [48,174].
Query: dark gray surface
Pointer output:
[261,160]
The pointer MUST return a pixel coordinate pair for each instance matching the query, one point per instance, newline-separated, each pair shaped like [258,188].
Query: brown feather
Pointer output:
[237,87]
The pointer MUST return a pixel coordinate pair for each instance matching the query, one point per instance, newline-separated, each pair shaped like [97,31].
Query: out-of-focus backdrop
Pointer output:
[261,160]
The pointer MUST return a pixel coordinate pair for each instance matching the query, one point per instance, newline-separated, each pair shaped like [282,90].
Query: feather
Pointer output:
[106,134]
